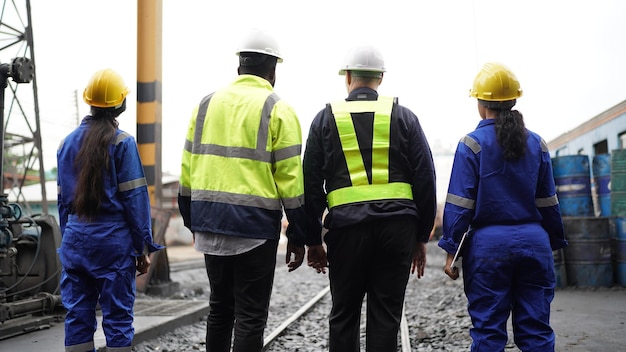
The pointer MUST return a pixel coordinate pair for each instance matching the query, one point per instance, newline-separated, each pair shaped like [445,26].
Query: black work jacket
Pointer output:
[410,161]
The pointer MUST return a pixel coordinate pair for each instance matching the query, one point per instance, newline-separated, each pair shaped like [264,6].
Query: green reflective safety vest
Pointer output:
[362,190]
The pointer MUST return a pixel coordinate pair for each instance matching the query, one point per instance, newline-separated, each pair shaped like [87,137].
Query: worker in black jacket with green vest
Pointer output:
[368,162]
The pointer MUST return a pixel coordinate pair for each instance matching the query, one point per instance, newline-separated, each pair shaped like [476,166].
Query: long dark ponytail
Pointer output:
[93,160]
[511,132]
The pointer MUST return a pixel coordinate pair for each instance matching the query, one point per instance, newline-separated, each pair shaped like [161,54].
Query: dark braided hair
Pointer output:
[511,132]
[92,160]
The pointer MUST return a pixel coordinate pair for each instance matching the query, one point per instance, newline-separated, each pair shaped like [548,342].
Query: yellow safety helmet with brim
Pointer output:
[495,82]
[106,89]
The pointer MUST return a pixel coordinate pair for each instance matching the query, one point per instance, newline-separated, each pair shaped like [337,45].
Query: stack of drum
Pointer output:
[588,259]
[618,214]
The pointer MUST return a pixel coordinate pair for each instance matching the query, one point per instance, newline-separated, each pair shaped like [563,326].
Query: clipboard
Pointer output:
[458,250]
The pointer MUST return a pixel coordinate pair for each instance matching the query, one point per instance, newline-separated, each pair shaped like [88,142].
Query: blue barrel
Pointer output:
[573,184]
[588,254]
[618,182]
[601,168]
[619,251]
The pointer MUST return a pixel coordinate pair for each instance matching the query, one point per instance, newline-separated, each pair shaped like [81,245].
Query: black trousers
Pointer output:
[375,259]
[241,287]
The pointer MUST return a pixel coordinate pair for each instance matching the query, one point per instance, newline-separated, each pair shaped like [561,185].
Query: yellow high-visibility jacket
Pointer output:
[241,164]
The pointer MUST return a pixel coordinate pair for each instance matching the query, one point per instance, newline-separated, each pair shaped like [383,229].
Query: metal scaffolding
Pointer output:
[22,161]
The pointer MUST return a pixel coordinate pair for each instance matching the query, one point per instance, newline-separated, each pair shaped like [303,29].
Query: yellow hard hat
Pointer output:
[106,89]
[495,82]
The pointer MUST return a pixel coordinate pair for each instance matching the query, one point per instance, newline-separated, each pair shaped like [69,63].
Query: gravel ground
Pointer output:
[435,310]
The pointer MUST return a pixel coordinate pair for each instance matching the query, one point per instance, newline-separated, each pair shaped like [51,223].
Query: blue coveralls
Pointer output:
[514,219]
[98,257]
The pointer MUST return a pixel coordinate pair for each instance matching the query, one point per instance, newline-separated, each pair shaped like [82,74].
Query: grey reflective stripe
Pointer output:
[471,143]
[58,189]
[259,153]
[547,202]
[293,203]
[233,152]
[87,346]
[286,153]
[61,144]
[120,137]
[184,191]
[119,349]
[188,145]
[236,199]
[266,113]
[245,153]
[132,184]
[544,146]
[460,201]
[197,136]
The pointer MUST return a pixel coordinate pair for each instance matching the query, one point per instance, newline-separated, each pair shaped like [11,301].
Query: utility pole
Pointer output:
[149,67]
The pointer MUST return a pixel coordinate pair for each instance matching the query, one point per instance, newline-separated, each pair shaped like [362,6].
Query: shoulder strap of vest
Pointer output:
[380,139]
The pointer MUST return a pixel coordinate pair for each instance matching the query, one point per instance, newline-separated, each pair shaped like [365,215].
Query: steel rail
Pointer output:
[404,334]
[404,328]
[283,326]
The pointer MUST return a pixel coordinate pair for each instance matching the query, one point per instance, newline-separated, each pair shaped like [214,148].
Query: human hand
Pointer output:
[451,270]
[143,264]
[419,259]
[298,256]
[316,258]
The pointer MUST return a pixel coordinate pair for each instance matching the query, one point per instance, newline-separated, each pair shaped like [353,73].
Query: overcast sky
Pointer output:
[570,57]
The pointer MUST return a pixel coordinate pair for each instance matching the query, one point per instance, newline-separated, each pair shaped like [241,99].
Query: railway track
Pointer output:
[283,327]
[300,314]
[435,316]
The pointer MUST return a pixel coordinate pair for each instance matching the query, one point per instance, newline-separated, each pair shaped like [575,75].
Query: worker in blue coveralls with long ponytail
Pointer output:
[105,220]
[502,194]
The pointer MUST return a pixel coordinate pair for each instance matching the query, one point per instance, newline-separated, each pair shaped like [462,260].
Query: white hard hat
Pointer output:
[258,41]
[363,58]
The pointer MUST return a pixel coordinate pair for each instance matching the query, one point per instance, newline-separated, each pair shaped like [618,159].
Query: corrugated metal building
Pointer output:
[598,135]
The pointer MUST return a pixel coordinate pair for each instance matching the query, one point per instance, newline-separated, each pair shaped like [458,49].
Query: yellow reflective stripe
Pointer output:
[380,142]
[361,190]
[350,145]
[365,193]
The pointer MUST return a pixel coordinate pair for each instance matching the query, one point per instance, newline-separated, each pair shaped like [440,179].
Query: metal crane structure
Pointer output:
[22,152]
[29,265]
[30,269]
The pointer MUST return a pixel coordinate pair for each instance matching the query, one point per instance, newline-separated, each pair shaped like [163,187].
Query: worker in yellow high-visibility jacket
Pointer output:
[241,168]
[367,160]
